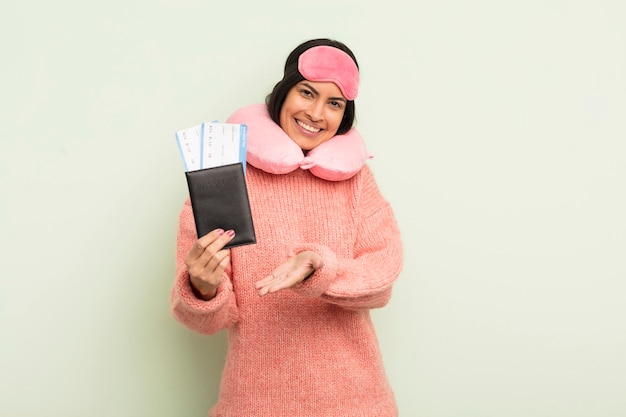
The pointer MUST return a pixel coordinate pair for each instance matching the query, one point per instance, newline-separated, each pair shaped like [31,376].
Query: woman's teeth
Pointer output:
[307,127]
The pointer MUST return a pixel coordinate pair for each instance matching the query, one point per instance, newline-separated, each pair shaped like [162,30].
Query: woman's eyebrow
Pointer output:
[310,87]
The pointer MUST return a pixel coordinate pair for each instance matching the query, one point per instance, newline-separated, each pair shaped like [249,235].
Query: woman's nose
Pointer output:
[315,111]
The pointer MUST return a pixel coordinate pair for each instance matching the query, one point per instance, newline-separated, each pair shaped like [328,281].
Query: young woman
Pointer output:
[296,304]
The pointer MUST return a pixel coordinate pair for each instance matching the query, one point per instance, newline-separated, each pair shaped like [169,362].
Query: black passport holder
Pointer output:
[219,199]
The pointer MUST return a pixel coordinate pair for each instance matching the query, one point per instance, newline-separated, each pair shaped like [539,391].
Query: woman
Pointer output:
[296,304]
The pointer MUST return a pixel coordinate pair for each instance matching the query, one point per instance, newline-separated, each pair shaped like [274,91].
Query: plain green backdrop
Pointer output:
[499,136]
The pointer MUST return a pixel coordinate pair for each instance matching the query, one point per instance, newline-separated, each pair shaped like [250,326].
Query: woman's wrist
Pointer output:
[204,294]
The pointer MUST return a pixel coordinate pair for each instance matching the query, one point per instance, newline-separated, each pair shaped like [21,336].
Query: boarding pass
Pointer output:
[209,145]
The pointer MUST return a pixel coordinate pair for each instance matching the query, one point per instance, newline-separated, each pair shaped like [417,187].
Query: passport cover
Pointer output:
[219,199]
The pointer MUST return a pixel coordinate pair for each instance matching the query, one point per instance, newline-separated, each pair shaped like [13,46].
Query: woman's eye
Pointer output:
[306,93]
[336,104]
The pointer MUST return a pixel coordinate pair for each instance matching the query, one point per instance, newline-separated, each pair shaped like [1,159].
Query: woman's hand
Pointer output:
[206,262]
[294,271]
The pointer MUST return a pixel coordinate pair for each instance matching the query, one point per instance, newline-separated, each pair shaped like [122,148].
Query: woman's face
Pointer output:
[312,113]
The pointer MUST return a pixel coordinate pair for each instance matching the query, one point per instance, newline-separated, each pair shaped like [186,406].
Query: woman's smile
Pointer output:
[312,113]
[307,127]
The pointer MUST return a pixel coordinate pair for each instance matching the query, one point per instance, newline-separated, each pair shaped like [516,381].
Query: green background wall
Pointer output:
[499,137]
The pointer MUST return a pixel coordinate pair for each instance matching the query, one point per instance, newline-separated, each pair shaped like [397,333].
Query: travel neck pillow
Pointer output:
[270,149]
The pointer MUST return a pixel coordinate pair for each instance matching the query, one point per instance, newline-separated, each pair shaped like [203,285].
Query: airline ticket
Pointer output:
[212,144]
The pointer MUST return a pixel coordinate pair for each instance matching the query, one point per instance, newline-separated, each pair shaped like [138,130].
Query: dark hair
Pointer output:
[292,77]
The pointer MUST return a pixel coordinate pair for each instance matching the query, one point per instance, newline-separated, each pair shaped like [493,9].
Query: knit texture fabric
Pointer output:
[309,351]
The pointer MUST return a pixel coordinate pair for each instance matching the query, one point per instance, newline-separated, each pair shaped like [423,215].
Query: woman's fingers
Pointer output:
[274,283]
[290,273]
[201,244]
[279,281]
[207,258]
[208,245]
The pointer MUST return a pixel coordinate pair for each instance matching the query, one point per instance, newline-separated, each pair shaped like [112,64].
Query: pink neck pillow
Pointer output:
[269,148]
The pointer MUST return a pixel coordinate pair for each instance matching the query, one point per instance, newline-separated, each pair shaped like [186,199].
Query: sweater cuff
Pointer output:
[318,282]
[187,298]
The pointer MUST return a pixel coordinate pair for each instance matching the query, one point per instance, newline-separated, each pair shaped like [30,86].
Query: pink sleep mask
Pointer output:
[327,63]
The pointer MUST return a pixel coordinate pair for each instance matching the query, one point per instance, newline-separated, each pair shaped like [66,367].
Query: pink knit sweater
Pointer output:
[309,351]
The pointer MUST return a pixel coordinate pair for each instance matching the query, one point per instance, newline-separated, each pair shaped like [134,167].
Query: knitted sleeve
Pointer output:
[207,317]
[365,280]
